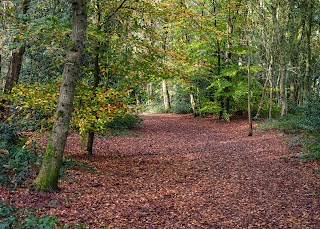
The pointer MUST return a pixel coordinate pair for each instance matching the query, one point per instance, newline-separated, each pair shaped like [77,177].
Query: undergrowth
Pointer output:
[13,217]
[303,125]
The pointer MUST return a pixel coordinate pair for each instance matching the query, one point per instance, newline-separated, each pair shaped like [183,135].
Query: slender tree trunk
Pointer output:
[307,78]
[265,58]
[165,94]
[262,99]
[96,82]
[249,81]
[270,77]
[15,64]
[270,98]
[282,82]
[47,179]
[199,102]
[193,104]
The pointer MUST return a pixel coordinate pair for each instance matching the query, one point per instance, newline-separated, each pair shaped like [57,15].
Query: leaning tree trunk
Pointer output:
[15,64]
[47,179]
[14,69]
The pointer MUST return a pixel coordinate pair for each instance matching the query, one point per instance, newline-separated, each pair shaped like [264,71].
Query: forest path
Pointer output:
[185,172]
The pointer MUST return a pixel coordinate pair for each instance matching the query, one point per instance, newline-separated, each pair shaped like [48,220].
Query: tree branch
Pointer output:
[119,7]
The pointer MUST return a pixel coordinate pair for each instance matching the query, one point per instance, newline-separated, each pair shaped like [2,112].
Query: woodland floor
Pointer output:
[185,172]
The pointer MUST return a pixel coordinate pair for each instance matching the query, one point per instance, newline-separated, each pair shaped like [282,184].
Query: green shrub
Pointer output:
[311,149]
[15,159]
[8,134]
[182,107]
[12,217]
[305,121]
[16,166]
[310,115]
[124,121]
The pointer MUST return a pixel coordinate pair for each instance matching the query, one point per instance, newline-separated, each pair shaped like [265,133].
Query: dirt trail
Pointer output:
[185,172]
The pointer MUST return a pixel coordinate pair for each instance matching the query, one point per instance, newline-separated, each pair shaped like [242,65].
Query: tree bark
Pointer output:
[193,104]
[282,64]
[307,78]
[96,81]
[14,69]
[249,83]
[47,179]
[15,64]
[166,100]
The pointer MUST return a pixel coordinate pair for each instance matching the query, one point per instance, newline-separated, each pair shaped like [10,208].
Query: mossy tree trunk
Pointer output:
[47,179]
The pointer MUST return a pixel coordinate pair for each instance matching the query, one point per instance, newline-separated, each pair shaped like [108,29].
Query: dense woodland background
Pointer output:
[257,59]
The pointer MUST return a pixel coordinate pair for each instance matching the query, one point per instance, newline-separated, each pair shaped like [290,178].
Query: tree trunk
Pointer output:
[14,69]
[47,179]
[193,104]
[282,61]
[96,82]
[166,100]
[270,77]
[262,99]
[270,99]
[307,78]
[15,64]
[249,84]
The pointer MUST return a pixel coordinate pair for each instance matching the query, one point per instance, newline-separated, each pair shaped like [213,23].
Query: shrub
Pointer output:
[15,159]
[12,217]
[310,115]
[311,149]
[124,121]
[15,166]
[8,134]
[306,123]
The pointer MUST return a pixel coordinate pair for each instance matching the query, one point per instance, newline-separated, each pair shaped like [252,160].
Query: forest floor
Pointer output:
[183,172]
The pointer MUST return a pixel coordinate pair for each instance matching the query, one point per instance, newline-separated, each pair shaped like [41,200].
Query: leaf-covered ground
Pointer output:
[185,172]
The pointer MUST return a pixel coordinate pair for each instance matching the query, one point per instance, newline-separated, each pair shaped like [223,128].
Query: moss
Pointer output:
[51,152]
[47,179]
[60,114]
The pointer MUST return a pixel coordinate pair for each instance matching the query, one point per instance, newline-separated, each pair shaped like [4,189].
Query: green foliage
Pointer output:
[16,159]
[12,217]
[16,167]
[181,100]
[124,121]
[153,107]
[34,107]
[210,107]
[310,115]
[305,123]
[311,148]
[8,134]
